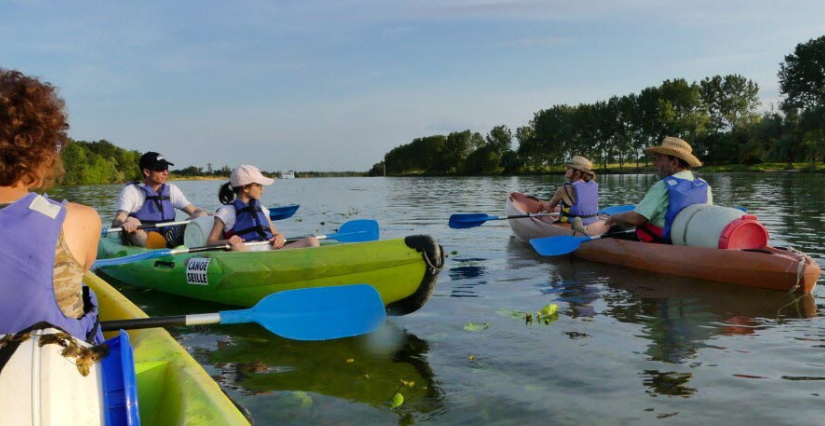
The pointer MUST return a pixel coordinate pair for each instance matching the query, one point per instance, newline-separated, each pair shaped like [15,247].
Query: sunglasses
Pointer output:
[160,169]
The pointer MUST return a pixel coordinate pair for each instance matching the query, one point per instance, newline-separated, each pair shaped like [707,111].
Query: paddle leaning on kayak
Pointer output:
[243,219]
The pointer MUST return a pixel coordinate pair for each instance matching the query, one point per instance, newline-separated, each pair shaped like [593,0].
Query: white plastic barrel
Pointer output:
[197,231]
[41,387]
[706,225]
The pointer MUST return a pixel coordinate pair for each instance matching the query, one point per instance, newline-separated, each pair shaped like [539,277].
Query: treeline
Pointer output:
[90,163]
[718,115]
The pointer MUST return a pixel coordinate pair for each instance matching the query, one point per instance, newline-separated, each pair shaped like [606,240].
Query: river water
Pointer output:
[628,347]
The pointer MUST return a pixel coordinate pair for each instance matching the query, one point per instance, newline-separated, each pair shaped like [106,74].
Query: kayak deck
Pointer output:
[173,389]
[770,267]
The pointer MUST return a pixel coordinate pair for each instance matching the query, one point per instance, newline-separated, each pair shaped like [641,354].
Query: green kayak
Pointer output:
[403,270]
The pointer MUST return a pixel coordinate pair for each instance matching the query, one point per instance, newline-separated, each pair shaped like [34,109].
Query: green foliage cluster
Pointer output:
[89,163]
[718,115]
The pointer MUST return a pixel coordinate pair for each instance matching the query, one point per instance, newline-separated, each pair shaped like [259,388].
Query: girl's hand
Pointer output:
[236,243]
[277,241]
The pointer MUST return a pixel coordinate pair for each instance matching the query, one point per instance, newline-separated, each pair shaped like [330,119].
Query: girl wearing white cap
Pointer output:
[243,218]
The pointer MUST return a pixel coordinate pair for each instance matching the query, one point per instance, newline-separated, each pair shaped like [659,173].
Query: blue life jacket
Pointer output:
[250,222]
[586,205]
[31,227]
[681,193]
[157,208]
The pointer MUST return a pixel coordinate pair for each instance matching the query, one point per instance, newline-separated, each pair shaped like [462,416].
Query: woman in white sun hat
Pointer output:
[243,218]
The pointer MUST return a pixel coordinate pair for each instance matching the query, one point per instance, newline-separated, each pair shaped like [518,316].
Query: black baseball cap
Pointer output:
[153,160]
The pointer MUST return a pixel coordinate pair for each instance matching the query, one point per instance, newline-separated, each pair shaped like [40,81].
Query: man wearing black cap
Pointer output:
[152,202]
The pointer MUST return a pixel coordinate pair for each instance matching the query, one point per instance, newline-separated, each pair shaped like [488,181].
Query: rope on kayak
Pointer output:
[800,269]
[84,357]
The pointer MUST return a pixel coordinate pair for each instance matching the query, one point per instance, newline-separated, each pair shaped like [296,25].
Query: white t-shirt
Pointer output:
[227,215]
[131,198]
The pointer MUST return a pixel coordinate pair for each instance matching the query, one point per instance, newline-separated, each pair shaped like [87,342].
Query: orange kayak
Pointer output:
[770,267]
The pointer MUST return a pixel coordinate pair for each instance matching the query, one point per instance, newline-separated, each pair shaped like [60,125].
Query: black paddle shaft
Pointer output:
[134,324]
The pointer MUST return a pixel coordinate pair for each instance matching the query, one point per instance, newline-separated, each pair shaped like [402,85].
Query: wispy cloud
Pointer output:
[533,41]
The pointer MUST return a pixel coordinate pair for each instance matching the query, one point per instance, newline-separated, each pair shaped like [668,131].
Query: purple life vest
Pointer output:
[682,193]
[251,223]
[157,208]
[30,228]
[586,205]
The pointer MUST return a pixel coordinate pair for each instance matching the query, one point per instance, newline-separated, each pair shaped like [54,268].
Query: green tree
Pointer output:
[802,81]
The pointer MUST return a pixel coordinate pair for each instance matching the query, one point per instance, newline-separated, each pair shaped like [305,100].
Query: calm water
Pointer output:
[628,347]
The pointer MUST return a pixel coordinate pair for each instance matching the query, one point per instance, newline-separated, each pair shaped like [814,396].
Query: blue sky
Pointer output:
[333,85]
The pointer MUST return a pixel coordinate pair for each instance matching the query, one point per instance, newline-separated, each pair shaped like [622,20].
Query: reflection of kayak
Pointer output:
[367,369]
[403,270]
[769,267]
[173,389]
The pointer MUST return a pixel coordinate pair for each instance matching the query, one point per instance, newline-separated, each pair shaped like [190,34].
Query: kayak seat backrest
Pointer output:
[197,231]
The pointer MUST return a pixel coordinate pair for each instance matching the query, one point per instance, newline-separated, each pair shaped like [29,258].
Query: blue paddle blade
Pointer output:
[114,261]
[557,246]
[318,313]
[469,220]
[356,231]
[283,212]
[617,209]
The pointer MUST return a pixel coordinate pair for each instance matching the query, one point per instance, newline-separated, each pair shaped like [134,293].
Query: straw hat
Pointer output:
[581,164]
[677,148]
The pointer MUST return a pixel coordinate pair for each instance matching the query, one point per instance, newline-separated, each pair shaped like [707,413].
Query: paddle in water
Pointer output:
[318,313]
[283,212]
[564,244]
[354,231]
[471,220]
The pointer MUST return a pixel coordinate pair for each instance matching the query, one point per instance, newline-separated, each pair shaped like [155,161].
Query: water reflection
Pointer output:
[361,369]
[677,316]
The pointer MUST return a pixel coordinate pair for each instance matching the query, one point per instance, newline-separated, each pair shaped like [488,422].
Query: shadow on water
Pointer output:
[465,275]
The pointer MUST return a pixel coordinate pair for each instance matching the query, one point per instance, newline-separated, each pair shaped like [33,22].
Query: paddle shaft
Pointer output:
[170,321]
[155,225]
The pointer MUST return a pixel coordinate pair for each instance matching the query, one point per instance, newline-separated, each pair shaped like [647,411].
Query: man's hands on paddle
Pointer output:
[130,225]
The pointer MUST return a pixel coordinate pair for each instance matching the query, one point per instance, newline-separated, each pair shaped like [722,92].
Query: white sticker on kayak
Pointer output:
[196,269]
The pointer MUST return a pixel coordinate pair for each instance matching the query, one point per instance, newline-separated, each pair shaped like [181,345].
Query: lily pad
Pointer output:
[470,326]
[397,400]
[549,310]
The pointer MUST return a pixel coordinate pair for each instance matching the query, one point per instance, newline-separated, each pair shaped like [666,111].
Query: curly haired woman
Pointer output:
[46,245]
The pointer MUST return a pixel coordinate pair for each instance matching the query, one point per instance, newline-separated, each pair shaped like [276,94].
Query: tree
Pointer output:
[802,81]
[500,138]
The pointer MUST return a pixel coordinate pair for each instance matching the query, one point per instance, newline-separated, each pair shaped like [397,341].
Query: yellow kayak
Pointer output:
[173,389]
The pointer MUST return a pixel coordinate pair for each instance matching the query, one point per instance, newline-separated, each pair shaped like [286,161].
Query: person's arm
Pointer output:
[625,220]
[81,230]
[557,198]
[194,211]
[216,237]
[278,240]
[651,204]
[127,202]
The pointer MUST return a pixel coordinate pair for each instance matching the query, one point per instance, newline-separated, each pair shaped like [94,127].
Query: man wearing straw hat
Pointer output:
[654,215]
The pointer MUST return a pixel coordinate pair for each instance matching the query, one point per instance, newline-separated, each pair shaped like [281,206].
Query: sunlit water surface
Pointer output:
[628,347]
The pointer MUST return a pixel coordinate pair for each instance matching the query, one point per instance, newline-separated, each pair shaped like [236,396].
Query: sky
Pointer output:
[333,85]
